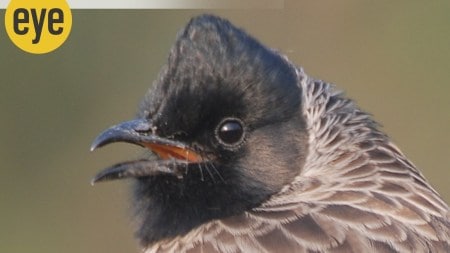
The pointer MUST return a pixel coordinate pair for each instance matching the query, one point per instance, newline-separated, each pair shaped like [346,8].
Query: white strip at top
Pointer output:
[169,4]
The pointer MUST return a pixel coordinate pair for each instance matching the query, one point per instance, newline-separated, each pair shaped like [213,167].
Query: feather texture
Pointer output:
[356,193]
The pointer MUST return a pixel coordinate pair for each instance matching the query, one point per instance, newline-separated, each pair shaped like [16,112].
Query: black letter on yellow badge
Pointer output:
[38,24]
[55,15]
[23,20]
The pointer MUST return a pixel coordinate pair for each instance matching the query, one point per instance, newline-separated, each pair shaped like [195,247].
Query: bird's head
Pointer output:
[225,127]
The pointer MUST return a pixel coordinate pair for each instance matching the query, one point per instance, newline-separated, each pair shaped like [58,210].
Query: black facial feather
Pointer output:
[217,71]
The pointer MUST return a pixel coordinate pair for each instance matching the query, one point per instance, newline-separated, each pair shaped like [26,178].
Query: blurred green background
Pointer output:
[393,58]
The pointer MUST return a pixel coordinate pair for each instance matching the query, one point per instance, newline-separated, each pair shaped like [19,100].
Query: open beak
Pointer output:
[172,153]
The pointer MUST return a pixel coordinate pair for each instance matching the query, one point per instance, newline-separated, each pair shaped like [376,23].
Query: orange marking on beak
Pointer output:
[166,152]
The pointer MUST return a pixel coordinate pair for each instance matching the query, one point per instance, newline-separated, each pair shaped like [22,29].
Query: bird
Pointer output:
[245,152]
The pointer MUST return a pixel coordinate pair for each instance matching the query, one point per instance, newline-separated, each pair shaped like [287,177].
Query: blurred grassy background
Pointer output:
[393,58]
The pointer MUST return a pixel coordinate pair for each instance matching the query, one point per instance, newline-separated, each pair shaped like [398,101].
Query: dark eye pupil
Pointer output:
[230,132]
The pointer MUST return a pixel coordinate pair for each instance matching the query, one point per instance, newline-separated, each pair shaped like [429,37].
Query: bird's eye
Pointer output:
[230,132]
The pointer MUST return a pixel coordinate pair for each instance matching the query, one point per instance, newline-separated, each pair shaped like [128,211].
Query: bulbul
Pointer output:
[250,154]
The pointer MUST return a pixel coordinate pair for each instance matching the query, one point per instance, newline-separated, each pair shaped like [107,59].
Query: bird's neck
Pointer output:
[168,207]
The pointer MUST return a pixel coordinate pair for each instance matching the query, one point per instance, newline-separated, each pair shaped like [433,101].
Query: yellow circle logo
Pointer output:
[38,26]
